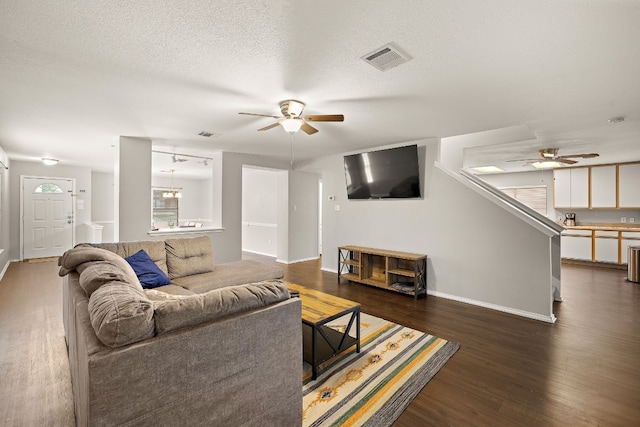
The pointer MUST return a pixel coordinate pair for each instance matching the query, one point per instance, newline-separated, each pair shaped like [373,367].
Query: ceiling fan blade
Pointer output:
[522,160]
[261,115]
[325,118]
[583,156]
[565,161]
[308,129]
[271,126]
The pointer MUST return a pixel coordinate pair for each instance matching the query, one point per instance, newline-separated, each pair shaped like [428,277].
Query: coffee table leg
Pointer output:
[358,331]
[314,373]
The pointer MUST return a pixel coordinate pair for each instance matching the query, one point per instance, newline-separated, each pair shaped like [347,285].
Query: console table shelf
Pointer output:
[401,272]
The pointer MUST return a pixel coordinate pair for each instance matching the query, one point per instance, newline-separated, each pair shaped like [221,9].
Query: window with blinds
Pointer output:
[534,197]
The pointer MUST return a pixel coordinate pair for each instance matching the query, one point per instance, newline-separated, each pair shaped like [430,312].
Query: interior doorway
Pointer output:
[47,216]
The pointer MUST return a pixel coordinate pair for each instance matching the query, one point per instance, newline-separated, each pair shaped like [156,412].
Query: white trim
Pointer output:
[4,269]
[298,260]
[185,230]
[522,313]
[104,222]
[259,224]
[259,253]
[330,270]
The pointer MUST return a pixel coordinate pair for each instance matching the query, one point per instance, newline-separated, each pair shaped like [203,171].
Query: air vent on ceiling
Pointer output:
[387,57]
[208,134]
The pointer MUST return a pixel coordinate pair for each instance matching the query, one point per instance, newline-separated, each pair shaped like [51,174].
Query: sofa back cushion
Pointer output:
[188,256]
[176,311]
[121,314]
[154,248]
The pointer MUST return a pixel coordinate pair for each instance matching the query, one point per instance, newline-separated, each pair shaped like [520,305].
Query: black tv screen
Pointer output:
[383,174]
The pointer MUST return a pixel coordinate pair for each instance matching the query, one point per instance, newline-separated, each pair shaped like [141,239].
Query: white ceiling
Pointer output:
[74,76]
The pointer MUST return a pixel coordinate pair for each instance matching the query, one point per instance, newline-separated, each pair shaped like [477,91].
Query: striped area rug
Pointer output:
[374,386]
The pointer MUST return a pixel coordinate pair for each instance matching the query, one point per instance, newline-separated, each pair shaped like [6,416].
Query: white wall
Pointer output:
[303,216]
[83,190]
[102,209]
[133,189]
[5,241]
[478,252]
[260,211]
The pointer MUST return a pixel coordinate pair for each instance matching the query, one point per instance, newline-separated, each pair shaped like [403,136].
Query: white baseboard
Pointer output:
[297,260]
[522,313]
[4,269]
[330,270]
[259,253]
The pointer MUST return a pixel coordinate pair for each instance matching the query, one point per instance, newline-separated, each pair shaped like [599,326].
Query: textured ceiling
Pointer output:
[74,76]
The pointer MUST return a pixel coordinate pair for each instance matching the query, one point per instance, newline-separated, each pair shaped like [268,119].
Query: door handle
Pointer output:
[68,221]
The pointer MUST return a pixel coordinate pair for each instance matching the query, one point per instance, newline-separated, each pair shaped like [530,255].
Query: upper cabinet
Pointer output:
[571,188]
[603,186]
[629,177]
[597,187]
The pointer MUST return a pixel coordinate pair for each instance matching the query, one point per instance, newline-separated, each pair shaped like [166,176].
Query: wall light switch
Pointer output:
[632,220]
[336,208]
[623,219]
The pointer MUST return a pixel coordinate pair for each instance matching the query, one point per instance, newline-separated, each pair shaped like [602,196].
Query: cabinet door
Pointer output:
[628,185]
[606,249]
[625,247]
[575,247]
[580,187]
[562,188]
[603,186]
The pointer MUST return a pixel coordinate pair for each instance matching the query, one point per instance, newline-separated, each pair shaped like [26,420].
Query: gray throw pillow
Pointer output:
[121,314]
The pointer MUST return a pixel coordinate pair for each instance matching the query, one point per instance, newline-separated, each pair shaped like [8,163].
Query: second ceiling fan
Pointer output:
[551,155]
[292,119]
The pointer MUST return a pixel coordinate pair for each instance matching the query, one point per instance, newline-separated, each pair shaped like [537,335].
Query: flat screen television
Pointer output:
[383,174]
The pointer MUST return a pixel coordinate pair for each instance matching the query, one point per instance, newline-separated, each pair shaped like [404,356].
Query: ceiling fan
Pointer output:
[292,119]
[551,155]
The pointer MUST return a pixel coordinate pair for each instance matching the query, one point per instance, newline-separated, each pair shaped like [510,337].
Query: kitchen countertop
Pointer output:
[605,227]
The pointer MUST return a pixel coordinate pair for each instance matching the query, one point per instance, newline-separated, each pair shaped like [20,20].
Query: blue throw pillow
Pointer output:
[148,273]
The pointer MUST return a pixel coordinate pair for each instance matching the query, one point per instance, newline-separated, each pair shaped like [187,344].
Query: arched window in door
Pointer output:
[48,187]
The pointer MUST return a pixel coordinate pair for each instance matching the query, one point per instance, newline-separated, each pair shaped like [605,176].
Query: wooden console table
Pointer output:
[401,272]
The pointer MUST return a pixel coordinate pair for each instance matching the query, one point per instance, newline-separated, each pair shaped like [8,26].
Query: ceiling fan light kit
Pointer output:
[549,158]
[291,125]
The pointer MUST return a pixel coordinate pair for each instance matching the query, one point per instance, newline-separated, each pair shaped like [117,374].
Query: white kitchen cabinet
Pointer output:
[603,186]
[629,189]
[576,246]
[606,246]
[571,188]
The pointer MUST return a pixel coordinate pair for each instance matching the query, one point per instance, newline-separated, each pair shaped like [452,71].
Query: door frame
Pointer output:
[73,207]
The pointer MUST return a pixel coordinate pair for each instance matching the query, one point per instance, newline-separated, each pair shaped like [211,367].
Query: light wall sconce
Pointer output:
[49,161]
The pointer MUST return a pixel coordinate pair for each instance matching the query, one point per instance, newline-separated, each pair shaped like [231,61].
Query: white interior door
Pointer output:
[48,220]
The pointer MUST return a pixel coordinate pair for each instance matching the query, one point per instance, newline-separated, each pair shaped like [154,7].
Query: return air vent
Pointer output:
[207,134]
[387,57]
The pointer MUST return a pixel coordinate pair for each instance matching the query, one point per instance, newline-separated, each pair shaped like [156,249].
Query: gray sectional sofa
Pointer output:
[220,345]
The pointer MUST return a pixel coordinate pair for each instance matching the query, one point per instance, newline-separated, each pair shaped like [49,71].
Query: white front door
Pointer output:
[47,226]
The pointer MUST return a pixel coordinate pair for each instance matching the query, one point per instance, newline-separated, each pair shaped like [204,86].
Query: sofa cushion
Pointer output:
[177,312]
[121,314]
[154,248]
[188,256]
[149,275]
[229,274]
[97,273]
[165,292]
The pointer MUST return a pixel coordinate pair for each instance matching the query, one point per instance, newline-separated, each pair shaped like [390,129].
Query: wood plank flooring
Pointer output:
[584,370]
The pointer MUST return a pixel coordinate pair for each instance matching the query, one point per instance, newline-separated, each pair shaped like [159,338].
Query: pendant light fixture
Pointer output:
[172,194]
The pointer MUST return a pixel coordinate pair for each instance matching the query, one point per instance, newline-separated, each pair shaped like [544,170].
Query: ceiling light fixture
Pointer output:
[546,165]
[49,161]
[291,125]
[171,194]
[616,120]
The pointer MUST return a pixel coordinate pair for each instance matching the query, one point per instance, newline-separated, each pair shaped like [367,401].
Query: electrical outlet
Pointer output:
[623,219]
[632,220]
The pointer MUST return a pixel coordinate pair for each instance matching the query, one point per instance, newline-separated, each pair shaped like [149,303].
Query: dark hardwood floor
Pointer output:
[583,370]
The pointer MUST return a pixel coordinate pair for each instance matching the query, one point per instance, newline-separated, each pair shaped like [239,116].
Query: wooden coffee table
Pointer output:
[320,342]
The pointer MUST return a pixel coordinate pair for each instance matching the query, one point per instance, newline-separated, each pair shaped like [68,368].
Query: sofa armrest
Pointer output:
[244,369]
